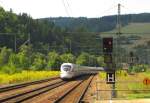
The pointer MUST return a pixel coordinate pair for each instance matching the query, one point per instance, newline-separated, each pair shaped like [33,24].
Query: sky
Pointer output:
[75,8]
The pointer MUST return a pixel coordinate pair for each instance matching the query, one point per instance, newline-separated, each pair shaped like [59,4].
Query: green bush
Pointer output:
[14,60]
[24,57]
[138,68]
[9,69]
[92,61]
[83,59]
[39,62]
[67,58]
[100,61]
[53,60]
[4,56]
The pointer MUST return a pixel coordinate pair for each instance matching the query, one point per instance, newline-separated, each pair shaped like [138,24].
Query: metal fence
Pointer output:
[122,90]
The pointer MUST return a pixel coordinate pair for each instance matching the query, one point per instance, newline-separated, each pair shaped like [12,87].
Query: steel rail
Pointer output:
[67,92]
[125,90]
[21,85]
[17,98]
[70,90]
[84,91]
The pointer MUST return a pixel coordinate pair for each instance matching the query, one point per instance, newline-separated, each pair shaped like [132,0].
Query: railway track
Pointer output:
[76,93]
[57,91]
[21,85]
[14,96]
[71,94]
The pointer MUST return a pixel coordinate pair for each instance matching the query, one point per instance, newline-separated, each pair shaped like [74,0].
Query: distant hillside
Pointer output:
[102,24]
[136,28]
[133,35]
[90,24]
[42,35]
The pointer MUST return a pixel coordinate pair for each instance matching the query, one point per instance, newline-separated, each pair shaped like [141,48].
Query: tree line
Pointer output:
[44,43]
[27,59]
[44,35]
[101,24]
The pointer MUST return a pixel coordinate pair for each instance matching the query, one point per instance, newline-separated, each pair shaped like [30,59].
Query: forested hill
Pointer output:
[51,33]
[44,36]
[102,24]
[44,43]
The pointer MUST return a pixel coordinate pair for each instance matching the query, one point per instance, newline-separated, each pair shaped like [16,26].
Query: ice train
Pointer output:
[69,70]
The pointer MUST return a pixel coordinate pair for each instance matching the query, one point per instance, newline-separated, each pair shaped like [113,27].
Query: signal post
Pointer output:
[110,67]
[108,59]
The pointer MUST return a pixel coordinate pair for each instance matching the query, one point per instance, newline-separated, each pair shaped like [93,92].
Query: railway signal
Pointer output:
[107,50]
[107,45]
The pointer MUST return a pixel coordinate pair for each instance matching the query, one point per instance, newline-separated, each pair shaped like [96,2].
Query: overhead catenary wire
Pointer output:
[66,9]
[109,9]
[131,16]
[68,4]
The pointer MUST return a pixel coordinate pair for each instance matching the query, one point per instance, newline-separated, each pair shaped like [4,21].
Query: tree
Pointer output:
[14,60]
[92,60]
[39,62]
[100,61]
[67,58]
[25,57]
[53,61]
[4,56]
[83,59]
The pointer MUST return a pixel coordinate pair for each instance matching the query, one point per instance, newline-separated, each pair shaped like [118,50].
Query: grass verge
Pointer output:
[137,96]
[134,87]
[26,76]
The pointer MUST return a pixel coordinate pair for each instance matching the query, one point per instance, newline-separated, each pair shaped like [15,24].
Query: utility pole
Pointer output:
[118,32]
[29,38]
[113,95]
[15,43]
[118,19]
[70,45]
[14,37]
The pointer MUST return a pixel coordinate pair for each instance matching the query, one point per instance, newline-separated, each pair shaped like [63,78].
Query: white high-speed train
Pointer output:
[69,70]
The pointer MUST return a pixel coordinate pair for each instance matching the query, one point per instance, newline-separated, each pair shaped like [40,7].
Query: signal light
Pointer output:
[107,45]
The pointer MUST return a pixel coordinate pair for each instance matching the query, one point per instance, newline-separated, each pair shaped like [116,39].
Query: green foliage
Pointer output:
[100,61]
[138,95]
[67,58]
[24,61]
[102,74]
[25,56]
[4,55]
[81,29]
[138,68]
[25,76]
[27,50]
[49,36]
[92,60]
[9,69]
[53,60]
[14,60]
[135,28]
[83,59]
[39,62]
